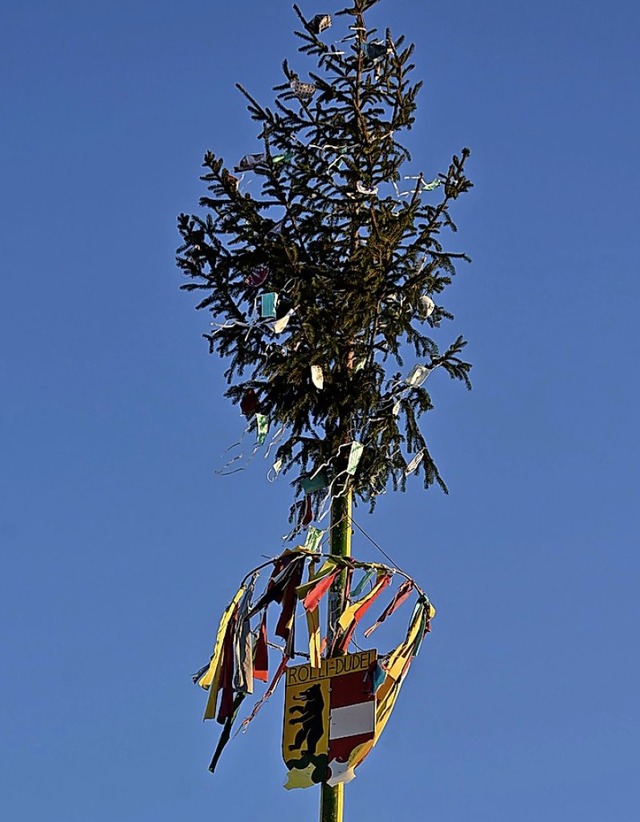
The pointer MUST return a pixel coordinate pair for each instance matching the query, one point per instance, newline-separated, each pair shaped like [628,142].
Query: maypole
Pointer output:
[322,264]
[332,798]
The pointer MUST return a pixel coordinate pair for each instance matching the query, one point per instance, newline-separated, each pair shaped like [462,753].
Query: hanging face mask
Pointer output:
[262,426]
[303,91]
[362,189]
[432,185]
[268,305]
[418,375]
[276,229]
[374,52]
[319,23]
[282,158]
[315,483]
[250,161]
[355,453]
[232,182]
[257,276]
[272,473]
[249,403]
[305,512]
[280,325]
[317,377]
[427,306]
[415,462]
[313,539]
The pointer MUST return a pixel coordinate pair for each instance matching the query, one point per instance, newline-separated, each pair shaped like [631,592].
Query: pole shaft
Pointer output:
[332,799]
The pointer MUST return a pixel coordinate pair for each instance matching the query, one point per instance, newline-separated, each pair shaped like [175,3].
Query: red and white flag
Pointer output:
[352,722]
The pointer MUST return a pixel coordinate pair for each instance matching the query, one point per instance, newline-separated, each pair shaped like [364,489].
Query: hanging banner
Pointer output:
[329,714]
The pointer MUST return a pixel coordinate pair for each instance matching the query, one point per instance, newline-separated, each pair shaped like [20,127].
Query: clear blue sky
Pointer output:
[120,547]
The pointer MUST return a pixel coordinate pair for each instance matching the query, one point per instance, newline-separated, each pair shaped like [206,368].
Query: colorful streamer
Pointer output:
[240,655]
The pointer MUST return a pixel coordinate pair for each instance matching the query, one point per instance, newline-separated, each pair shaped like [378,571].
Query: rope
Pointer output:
[376,545]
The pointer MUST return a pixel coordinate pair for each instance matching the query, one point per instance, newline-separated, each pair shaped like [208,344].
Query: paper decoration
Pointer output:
[319,23]
[317,377]
[427,306]
[250,161]
[418,375]
[268,305]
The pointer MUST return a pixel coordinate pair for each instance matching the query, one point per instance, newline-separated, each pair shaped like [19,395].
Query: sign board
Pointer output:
[329,712]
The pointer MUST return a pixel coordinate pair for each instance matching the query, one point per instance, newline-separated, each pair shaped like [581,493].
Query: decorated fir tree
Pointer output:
[320,286]
[325,288]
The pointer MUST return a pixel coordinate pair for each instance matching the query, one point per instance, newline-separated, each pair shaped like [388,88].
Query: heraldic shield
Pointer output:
[329,716]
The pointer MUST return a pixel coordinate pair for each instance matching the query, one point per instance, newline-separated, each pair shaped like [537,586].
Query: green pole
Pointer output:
[332,799]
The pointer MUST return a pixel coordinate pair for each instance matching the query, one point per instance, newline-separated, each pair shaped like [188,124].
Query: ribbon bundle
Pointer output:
[241,650]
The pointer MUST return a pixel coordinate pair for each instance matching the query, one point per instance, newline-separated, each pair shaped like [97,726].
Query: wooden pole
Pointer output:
[332,799]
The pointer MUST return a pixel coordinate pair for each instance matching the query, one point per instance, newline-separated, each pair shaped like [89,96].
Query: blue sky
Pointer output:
[120,546]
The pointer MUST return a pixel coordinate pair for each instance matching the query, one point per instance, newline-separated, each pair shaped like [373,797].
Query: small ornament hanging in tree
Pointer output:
[319,23]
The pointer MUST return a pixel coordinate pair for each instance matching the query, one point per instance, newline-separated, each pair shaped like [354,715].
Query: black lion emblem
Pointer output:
[309,717]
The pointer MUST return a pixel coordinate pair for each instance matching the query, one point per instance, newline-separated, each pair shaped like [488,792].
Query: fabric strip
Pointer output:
[226,732]
[274,684]
[312,599]
[261,659]
[226,674]
[403,593]
[313,624]
[354,613]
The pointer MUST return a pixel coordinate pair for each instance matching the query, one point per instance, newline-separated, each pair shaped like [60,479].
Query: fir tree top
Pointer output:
[318,285]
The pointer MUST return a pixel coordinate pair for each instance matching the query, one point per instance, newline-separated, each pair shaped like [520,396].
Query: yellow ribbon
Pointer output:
[349,613]
[211,677]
